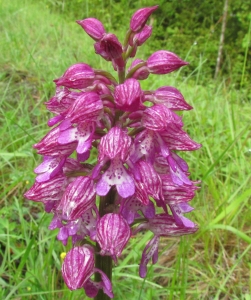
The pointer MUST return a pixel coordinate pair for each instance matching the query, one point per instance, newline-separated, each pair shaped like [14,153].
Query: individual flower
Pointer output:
[78,267]
[128,95]
[169,96]
[93,27]
[160,225]
[78,197]
[78,76]
[114,147]
[163,62]
[113,233]
[109,47]
[140,18]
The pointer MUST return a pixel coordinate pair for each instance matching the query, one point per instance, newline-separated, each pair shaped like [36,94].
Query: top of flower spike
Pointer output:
[140,18]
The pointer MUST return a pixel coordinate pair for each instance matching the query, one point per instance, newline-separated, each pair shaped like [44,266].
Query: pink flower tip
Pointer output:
[140,18]
[163,62]
[93,27]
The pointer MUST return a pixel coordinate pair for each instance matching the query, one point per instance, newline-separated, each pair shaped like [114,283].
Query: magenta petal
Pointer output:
[91,288]
[87,107]
[116,175]
[78,267]
[102,187]
[127,188]
[159,118]
[106,283]
[170,97]
[83,146]
[55,223]
[113,233]
[115,142]
[93,27]
[151,180]
[109,47]
[179,177]
[149,252]
[49,168]
[78,76]
[67,136]
[78,197]
[128,95]
[51,190]
[175,194]
[55,120]
[141,37]
[140,18]
[141,71]
[163,62]
[178,211]
[177,139]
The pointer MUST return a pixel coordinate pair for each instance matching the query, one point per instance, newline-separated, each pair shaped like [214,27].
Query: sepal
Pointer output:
[163,62]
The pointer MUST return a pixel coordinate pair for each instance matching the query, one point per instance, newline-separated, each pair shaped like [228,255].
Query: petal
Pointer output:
[140,17]
[116,175]
[115,142]
[93,27]
[78,197]
[149,252]
[113,233]
[78,267]
[163,62]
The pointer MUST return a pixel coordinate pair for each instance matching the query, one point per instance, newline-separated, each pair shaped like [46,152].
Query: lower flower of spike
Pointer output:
[78,267]
[113,233]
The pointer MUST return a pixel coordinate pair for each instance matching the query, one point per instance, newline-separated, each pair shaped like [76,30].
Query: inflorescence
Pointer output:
[136,134]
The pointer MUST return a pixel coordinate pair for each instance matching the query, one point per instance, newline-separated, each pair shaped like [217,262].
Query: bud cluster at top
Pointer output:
[136,162]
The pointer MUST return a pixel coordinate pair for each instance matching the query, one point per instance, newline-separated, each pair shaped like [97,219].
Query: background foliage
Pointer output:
[190,28]
[38,41]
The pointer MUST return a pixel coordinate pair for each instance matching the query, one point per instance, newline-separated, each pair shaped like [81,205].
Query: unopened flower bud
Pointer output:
[142,36]
[109,47]
[170,97]
[78,267]
[138,70]
[140,18]
[163,62]
[78,197]
[93,27]
[113,233]
[128,95]
[78,76]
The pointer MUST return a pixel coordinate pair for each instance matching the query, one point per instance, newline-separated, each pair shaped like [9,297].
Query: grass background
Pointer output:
[36,46]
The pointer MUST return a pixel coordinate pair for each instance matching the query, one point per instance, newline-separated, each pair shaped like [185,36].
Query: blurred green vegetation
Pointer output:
[38,41]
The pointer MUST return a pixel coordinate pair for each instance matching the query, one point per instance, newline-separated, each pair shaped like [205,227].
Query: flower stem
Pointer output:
[104,263]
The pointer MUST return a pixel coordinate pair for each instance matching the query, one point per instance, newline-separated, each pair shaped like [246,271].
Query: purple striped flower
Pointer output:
[114,145]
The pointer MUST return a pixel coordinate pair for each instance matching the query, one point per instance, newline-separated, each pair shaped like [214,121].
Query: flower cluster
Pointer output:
[138,174]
